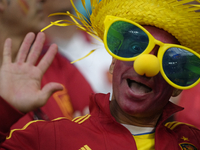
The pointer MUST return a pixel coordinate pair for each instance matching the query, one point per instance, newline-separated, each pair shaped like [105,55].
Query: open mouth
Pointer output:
[138,87]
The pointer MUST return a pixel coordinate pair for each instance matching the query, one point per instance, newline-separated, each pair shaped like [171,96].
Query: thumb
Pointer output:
[49,89]
[42,98]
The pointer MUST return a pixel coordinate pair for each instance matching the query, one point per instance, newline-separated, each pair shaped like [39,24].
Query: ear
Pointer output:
[112,65]
[176,92]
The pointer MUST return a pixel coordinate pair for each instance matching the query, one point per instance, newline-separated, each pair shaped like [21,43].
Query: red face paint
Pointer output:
[24,6]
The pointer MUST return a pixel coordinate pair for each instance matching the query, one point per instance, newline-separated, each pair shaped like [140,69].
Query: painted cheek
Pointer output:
[23,6]
[164,88]
[117,73]
[120,68]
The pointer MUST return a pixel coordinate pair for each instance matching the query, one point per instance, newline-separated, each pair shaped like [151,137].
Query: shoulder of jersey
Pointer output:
[172,125]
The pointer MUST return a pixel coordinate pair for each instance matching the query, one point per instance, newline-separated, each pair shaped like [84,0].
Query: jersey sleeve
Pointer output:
[8,116]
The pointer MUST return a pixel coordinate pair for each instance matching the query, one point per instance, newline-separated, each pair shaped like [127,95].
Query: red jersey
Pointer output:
[96,131]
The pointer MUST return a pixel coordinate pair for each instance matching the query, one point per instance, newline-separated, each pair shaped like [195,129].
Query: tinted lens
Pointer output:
[126,40]
[181,66]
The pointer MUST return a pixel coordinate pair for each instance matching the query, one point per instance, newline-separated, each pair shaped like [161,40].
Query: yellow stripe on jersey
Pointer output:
[60,118]
[169,124]
[77,119]
[88,116]
[81,119]
[146,141]
[174,124]
[85,147]
[10,135]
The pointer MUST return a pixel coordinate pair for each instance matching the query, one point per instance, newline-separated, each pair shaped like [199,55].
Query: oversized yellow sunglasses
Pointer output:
[126,40]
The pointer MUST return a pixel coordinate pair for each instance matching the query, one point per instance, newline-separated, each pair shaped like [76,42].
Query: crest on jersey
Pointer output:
[187,146]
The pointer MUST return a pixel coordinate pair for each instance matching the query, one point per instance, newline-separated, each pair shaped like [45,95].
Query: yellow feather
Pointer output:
[84,56]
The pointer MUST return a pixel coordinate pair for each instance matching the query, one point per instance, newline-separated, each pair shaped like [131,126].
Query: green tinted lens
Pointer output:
[126,40]
[181,66]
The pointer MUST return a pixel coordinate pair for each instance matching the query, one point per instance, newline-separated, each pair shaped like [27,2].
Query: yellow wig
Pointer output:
[181,18]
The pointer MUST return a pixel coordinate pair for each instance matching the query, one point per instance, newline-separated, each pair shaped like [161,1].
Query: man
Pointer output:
[149,66]
[18,17]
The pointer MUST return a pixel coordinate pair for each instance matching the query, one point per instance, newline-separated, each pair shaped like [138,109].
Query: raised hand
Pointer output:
[20,81]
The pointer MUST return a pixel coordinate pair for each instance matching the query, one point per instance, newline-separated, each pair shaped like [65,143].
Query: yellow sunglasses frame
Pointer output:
[109,20]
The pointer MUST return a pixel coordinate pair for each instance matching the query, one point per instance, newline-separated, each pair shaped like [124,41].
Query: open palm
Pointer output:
[20,81]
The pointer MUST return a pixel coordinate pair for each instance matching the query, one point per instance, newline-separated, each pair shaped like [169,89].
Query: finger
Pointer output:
[7,54]
[25,47]
[48,58]
[36,48]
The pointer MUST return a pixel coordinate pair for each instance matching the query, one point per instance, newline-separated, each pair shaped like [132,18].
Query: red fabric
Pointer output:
[190,100]
[100,131]
[88,37]
[78,90]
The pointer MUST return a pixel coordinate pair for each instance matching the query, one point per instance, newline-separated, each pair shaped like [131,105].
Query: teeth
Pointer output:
[138,87]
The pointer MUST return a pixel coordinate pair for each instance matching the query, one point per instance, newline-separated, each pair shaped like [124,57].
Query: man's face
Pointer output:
[25,15]
[137,95]
[58,6]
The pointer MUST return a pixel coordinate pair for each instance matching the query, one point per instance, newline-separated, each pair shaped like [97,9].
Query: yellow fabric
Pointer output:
[145,142]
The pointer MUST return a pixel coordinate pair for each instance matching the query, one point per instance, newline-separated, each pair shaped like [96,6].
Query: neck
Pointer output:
[124,118]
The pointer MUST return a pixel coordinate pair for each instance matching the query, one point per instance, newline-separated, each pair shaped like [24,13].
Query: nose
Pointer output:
[147,64]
